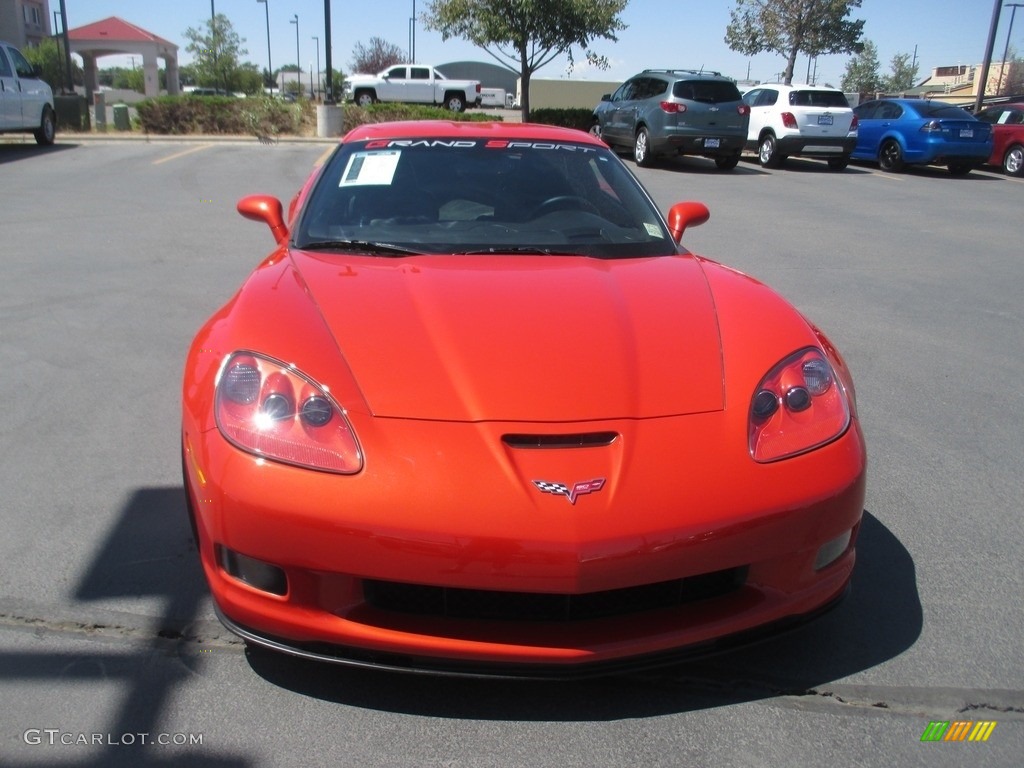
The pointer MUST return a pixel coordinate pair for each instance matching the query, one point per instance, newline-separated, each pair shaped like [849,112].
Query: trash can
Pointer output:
[121,121]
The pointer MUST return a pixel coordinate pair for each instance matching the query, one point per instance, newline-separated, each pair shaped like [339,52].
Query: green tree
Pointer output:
[525,35]
[249,79]
[861,75]
[903,74]
[217,51]
[375,57]
[49,57]
[791,27]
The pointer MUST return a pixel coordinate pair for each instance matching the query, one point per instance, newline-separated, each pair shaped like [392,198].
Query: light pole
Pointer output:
[317,64]
[213,44]
[270,67]
[412,35]
[298,67]
[1006,50]
[56,39]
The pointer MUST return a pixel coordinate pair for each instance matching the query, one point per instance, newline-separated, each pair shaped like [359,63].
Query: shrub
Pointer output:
[266,117]
[387,112]
[566,118]
[256,116]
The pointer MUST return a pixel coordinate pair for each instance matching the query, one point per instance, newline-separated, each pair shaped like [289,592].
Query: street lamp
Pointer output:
[298,67]
[412,34]
[270,67]
[1006,50]
[317,64]
[213,44]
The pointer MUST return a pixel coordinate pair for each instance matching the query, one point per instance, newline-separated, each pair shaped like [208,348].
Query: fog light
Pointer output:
[831,550]
[255,573]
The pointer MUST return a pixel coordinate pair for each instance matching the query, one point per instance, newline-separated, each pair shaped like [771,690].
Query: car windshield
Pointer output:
[707,91]
[938,109]
[818,99]
[479,195]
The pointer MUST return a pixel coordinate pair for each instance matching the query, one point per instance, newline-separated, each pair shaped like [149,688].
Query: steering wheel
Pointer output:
[564,202]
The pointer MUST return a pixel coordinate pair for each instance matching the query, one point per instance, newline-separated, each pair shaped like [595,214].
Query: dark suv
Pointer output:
[675,111]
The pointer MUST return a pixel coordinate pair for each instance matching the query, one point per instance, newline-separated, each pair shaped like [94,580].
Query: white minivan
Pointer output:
[26,101]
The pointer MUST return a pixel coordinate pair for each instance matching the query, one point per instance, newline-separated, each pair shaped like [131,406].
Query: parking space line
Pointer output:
[184,152]
[323,158]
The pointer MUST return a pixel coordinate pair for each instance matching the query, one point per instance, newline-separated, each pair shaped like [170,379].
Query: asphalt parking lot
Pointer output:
[114,252]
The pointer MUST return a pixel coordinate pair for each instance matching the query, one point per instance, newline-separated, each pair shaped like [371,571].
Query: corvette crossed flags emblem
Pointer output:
[578,489]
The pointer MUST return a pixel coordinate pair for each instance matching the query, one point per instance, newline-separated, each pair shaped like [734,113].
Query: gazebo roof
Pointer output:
[116,29]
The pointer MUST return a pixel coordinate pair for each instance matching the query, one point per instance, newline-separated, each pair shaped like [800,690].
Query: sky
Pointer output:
[659,34]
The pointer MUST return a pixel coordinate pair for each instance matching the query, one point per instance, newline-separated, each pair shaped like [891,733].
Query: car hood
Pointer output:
[522,338]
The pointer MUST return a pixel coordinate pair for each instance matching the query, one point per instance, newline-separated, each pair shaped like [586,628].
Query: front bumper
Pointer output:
[466,526]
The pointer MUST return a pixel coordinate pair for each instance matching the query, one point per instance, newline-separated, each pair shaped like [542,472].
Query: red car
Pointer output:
[1007,123]
[478,412]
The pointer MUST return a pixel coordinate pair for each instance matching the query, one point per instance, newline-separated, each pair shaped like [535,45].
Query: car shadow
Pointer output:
[11,151]
[803,165]
[983,173]
[880,619]
[149,553]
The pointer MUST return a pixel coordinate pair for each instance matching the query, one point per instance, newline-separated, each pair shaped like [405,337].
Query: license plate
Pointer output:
[825,119]
[712,143]
[966,133]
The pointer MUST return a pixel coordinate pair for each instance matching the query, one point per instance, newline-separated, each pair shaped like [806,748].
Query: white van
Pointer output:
[26,101]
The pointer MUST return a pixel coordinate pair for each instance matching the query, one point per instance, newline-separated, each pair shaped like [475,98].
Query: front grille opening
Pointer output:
[422,600]
[580,440]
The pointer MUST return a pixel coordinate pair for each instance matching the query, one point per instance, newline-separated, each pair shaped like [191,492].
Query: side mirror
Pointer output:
[606,97]
[683,215]
[267,209]
[37,72]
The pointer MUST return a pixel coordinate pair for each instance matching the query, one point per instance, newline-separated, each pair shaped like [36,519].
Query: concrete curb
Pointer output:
[64,137]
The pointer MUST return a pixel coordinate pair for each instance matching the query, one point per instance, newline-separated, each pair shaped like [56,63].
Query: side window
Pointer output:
[5,66]
[419,73]
[750,98]
[625,93]
[889,111]
[655,87]
[768,98]
[641,88]
[866,111]
[21,65]
[398,73]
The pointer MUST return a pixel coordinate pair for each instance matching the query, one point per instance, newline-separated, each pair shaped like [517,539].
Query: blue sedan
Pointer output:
[899,132]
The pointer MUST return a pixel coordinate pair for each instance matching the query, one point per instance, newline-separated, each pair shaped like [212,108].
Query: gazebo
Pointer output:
[115,36]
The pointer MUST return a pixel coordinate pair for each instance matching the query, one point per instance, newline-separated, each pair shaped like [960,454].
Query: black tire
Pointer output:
[454,102]
[365,98]
[890,156]
[727,162]
[46,133]
[642,149]
[1013,161]
[838,163]
[960,169]
[768,152]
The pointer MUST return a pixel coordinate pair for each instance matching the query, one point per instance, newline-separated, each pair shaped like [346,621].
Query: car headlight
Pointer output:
[270,409]
[799,405]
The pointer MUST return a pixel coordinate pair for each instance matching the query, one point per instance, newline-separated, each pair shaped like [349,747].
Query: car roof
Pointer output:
[409,129]
[797,87]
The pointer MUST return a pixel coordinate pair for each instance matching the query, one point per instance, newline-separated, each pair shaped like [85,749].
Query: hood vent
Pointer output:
[582,440]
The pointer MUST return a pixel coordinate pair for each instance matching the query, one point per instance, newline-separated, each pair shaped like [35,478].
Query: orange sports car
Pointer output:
[479,412]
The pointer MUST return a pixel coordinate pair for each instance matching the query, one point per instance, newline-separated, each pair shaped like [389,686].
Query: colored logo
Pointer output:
[958,730]
[578,489]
